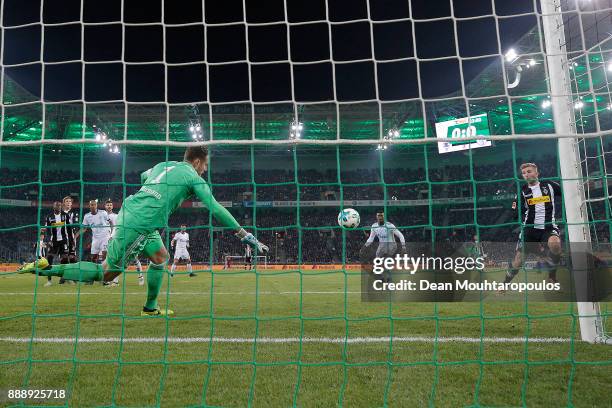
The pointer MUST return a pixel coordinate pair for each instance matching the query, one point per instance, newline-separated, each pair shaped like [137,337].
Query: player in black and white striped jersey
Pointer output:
[58,235]
[248,258]
[540,230]
[41,247]
[72,218]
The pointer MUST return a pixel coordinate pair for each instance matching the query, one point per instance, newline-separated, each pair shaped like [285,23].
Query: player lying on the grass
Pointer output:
[165,187]
[386,233]
[180,243]
[539,228]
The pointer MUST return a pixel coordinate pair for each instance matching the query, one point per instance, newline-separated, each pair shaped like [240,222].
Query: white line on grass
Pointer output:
[332,340]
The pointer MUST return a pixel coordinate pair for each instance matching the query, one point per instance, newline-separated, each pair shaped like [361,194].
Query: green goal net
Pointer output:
[291,327]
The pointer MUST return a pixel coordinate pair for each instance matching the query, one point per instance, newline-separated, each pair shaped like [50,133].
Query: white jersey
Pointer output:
[181,240]
[384,233]
[113,220]
[41,250]
[99,224]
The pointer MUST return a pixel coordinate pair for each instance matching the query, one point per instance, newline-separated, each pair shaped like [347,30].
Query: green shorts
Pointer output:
[126,244]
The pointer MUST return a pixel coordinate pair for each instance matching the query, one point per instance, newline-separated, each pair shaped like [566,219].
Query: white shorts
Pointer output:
[181,254]
[99,245]
[386,249]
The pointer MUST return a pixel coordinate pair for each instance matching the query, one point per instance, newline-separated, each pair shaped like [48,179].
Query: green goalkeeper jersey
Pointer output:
[165,187]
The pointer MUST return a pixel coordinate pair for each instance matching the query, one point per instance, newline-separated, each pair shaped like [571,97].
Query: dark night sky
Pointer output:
[266,44]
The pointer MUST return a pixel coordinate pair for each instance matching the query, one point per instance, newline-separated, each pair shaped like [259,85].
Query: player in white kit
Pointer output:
[180,243]
[108,206]
[99,223]
[386,233]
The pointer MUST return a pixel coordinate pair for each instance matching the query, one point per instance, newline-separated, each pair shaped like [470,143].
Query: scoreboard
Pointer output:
[457,130]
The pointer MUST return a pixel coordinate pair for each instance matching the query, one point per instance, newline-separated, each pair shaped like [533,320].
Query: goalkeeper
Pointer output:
[165,187]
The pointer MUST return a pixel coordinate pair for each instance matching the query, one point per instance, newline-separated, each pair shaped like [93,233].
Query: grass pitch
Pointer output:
[279,338]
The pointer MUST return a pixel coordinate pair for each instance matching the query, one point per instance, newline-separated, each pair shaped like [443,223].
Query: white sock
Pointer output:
[173,268]
[116,280]
[189,267]
[139,267]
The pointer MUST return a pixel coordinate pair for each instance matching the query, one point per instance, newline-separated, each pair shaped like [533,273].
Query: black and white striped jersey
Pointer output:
[56,226]
[72,217]
[539,204]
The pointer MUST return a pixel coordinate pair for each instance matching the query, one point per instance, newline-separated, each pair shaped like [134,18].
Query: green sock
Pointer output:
[80,271]
[155,275]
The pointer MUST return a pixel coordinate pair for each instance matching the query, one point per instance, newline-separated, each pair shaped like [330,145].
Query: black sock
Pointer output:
[555,258]
[510,274]
[50,260]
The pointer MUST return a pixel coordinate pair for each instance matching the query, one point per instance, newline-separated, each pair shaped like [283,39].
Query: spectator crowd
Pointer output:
[310,235]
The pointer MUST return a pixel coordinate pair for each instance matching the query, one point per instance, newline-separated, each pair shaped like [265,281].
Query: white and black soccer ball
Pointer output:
[348,218]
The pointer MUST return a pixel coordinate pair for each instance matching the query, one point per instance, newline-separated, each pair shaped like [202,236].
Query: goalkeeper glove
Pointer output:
[250,240]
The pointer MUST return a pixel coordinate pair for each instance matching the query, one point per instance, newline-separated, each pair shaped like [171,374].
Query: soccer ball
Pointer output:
[348,218]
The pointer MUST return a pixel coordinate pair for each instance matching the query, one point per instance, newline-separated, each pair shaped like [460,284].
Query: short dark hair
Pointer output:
[109,201]
[381,211]
[196,152]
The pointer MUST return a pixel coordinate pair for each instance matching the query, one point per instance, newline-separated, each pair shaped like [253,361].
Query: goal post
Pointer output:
[574,201]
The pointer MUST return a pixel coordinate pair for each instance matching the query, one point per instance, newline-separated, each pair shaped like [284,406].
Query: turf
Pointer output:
[430,358]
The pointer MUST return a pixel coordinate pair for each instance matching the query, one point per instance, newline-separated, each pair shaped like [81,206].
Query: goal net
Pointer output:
[590,71]
[424,112]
